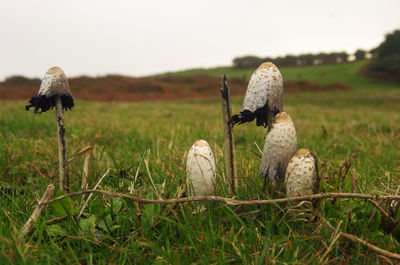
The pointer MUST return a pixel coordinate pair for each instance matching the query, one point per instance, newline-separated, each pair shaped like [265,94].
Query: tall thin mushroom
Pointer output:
[54,92]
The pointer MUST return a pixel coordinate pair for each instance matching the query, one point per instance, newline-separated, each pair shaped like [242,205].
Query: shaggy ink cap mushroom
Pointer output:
[279,147]
[302,178]
[54,84]
[200,169]
[263,98]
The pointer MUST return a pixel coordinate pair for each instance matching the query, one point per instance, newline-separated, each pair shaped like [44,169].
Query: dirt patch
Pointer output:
[123,88]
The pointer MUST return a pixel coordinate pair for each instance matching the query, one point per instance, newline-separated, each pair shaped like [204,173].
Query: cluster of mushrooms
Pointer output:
[281,163]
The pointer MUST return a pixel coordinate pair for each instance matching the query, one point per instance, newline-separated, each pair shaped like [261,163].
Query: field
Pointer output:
[127,136]
[347,74]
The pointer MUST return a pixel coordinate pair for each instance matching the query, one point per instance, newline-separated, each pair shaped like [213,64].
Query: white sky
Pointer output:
[97,37]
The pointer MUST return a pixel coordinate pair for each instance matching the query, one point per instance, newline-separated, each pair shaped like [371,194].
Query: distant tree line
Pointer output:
[296,60]
[386,57]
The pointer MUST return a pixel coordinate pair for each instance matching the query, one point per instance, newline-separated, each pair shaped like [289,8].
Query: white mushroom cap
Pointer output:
[264,95]
[301,177]
[54,83]
[200,169]
[279,147]
[265,85]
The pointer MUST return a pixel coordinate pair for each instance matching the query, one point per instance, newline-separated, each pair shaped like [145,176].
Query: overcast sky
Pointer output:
[97,37]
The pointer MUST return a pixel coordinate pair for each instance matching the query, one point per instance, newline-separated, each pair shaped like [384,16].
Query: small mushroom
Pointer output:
[302,177]
[54,86]
[280,146]
[200,170]
[263,99]
[54,92]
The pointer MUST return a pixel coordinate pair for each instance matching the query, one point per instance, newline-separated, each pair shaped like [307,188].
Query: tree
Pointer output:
[388,55]
[247,62]
[391,45]
[360,54]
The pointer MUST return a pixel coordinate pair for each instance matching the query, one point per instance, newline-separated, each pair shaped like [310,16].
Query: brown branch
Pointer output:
[57,220]
[386,214]
[227,201]
[37,212]
[228,133]
[372,247]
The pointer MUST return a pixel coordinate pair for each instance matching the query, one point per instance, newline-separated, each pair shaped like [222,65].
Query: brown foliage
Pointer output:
[123,88]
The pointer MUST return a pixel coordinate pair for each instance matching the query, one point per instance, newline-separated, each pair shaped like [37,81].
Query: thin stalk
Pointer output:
[62,147]
[228,135]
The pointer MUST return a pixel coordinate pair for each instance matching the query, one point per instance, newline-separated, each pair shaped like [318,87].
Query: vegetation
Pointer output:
[246,62]
[388,56]
[346,74]
[334,125]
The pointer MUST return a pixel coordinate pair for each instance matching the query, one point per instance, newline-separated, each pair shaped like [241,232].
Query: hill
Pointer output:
[198,83]
[348,74]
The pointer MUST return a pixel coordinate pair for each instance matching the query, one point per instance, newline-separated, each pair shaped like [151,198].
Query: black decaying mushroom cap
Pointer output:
[42,103]
[259,114]
[54,84]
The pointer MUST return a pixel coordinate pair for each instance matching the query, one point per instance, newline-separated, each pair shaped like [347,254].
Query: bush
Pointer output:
[389,64]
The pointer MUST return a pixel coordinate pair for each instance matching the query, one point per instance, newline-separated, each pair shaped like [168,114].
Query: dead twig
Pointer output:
[228,201]
[86,171]
[37,212]
[228,133]
[372,247]
[72,159]
[385,213]
[56,220]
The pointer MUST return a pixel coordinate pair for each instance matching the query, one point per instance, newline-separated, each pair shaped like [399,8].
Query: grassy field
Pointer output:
[334,125]
[347,74]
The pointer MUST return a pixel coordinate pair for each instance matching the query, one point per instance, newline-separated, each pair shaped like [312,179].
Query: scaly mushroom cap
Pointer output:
[263,95]
[54,84]
[280,146]
[302,177]
[200,169]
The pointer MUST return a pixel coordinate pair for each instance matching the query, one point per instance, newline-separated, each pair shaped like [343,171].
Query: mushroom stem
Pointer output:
[62,148]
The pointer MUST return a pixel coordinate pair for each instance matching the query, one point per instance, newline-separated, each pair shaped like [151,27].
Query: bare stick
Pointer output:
[228,133]
[72,159]
[37,212]
[62,147]
[386,214]
[91,193]
[229,201]
[86,171]
[372,247]
[85,174]
[84,150]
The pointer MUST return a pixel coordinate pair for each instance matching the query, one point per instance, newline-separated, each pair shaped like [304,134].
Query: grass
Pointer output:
[331,124]
[347,74]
